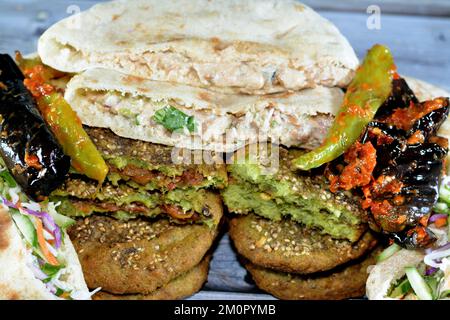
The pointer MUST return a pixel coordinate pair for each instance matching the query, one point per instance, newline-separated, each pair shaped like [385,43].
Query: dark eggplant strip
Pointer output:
[430,123]
[417,166]
[408,168]
[29,149]
[402,97]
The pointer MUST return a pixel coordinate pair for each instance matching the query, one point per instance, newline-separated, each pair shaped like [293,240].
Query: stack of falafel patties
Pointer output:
[147,231]
[297,239]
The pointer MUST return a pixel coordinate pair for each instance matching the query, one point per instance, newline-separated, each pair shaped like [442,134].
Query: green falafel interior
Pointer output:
[277,192]
[144,180]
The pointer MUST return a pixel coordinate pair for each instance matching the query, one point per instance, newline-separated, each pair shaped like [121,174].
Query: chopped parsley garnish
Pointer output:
[173,119]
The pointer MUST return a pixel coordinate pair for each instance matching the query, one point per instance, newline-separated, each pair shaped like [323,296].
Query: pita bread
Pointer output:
[252,46]
[225,122]
[384,274]
[17,281]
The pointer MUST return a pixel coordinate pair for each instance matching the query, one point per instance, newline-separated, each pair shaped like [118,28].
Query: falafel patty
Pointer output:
[139,256]
[288,246]
[258,185]
[156,166]
[179,288]
[144,179]
[344,282]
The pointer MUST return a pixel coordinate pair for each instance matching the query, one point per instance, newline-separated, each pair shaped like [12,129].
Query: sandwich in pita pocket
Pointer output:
[402,274]
[197,118]
[37,257]
[254,47]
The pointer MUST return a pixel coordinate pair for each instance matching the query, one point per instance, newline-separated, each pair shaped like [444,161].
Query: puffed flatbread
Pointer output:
[17,281]
[252,46]
[386,273]
[225,122]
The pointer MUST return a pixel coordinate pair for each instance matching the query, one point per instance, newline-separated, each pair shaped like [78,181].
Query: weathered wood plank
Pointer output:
[403,7]
[226,273]
[218,295]
[420,44]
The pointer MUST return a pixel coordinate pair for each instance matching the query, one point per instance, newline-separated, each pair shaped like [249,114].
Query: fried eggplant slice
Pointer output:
[29,149]
[404,184]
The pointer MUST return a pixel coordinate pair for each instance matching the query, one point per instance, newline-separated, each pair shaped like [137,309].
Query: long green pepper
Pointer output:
[67,127]
[371,86]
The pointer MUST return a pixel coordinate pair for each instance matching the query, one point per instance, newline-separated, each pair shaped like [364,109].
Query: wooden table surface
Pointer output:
[417,31]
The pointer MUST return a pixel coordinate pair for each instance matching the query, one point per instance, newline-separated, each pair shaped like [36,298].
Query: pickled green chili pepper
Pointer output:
[64,122]
[28,64]
[367,92]
[69,132]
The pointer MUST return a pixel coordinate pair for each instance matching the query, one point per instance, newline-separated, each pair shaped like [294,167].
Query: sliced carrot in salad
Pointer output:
[51,259]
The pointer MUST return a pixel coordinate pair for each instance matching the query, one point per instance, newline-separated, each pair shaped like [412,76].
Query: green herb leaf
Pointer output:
[50,270]
[173,119]
[401,289]
[59,292]
[8,178]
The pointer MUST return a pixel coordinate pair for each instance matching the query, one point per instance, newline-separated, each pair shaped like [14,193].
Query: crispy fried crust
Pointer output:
[140,256]
[338,214]
[179,288]
[289,247]
[155,156]
[345,282]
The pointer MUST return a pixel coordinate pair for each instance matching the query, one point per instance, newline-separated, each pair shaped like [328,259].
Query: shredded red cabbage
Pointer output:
[46,218]
[430,270]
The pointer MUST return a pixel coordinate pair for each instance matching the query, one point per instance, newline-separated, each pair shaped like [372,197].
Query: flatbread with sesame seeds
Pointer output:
[179,288]
[140,255]
[344,282]
[288,246]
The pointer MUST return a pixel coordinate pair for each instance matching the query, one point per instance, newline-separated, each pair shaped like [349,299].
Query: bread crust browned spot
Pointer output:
[5,224]
[288,246]
[8,293]
[133,79]
[218,45]
[205,96]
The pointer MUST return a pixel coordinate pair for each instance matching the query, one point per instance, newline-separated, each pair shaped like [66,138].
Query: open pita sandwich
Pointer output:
[198,118]
[37,257]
